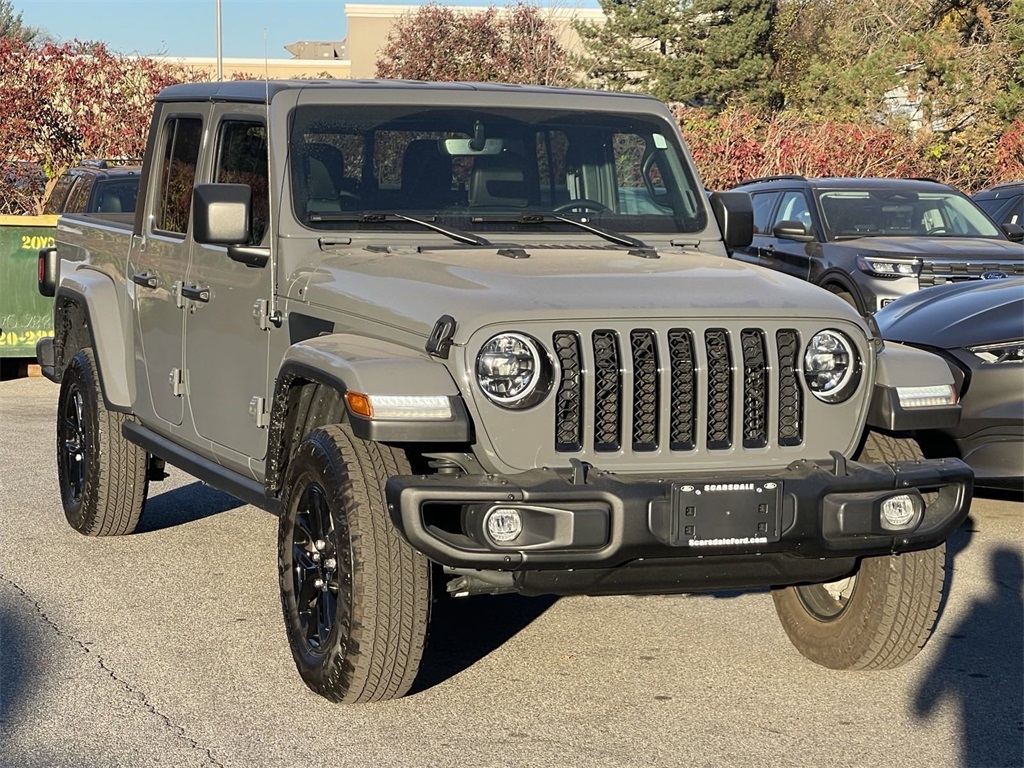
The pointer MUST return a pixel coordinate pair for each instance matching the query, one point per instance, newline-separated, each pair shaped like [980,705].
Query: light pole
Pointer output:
[220,55]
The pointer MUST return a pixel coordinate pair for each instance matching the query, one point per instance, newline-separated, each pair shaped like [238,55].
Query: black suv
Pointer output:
[96,186]
[1004,203]
[872,240]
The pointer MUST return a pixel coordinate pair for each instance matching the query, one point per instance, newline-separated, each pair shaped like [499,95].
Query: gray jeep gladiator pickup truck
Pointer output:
[480,338]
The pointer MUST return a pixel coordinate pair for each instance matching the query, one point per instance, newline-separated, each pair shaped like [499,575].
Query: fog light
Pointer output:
[899,512]
[504,524]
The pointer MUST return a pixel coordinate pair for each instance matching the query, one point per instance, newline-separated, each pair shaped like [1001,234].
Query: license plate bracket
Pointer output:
[724,515]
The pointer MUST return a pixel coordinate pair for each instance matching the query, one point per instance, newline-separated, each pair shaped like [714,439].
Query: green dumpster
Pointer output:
[25,316]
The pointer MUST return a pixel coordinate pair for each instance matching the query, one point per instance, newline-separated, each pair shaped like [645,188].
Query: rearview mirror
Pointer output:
[464,148]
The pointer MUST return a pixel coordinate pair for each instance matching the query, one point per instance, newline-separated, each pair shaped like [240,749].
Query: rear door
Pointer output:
[226,350]
[157,268]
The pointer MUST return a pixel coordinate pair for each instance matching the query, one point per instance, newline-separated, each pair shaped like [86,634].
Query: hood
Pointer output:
[957,314]
[411,289]
[936,248]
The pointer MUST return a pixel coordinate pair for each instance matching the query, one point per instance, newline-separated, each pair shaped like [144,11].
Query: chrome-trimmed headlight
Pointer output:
[831,366]
[998,354]
[888,266]
[513,371]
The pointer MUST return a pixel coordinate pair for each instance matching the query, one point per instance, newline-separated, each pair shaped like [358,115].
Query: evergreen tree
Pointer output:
[11,26]
[702,52]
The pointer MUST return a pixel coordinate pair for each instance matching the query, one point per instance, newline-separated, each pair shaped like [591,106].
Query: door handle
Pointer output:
[195,293]
[145,279]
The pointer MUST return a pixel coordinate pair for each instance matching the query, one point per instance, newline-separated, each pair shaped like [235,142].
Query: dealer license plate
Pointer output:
[716,515]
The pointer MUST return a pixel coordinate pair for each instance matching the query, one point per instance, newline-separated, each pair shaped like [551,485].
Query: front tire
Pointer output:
[878,618]
[102,476]
[355,595]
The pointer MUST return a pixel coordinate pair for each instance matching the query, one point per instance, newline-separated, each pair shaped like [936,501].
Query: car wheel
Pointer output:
[102,476]
[879,617]
[355,595]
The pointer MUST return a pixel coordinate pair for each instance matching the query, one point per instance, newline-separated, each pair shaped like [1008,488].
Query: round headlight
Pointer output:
[831,366]
[511,370]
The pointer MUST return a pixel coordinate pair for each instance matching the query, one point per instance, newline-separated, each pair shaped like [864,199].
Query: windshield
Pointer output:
[483,170]
[850,213]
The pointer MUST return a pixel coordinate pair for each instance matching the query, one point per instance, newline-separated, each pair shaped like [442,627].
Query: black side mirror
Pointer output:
[46,263]
[1014,232]
[221,213]
[734,213]
[792,230]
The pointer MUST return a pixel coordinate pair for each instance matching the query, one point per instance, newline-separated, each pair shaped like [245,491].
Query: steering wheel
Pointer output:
[937,231]
[583,203]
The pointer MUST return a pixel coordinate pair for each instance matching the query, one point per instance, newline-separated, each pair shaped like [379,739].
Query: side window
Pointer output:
[242,159]
[763,203]
[182,138]
[79,197]
[57,198]
[793,208]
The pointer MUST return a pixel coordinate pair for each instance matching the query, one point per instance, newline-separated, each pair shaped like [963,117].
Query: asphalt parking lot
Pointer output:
[166,648]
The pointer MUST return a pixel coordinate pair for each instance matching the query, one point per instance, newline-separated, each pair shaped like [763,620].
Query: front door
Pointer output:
[783,253]
[158,265]
[226,351]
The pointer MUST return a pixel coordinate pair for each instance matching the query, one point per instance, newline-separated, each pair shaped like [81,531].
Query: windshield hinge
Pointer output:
[685,243]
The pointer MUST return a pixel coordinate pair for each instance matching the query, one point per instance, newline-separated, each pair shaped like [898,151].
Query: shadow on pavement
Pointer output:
[465,630]
[16,668]
[981,670]
[186,504]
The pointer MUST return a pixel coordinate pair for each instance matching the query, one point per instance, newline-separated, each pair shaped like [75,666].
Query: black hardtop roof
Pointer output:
[256,91]
[847,182]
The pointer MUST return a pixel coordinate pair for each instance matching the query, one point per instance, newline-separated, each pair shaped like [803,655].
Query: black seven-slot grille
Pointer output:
[658,416]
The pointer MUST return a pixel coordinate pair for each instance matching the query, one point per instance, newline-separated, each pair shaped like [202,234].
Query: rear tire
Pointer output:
[355,595]
[102,476]
[880,617]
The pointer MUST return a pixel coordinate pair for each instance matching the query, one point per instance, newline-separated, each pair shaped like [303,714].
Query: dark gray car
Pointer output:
[872,240]
[979,329]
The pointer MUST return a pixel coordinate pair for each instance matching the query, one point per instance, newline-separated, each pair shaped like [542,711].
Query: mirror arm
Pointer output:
[250,255]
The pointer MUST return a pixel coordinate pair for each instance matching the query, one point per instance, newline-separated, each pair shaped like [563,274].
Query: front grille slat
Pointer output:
[569,396]
[719,393]
[644,346]
[755,389]
[787,344]
[683,394]
[664,393]
[607,392]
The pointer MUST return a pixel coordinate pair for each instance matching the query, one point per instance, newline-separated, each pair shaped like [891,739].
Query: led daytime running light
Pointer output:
[926,397]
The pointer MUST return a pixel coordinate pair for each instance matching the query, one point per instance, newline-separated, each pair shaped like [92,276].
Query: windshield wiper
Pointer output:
[377,218]
[541,218]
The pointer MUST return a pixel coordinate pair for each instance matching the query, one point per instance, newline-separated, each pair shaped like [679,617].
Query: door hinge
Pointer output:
[179,299]
[264,317]
[257,409]
[177,382]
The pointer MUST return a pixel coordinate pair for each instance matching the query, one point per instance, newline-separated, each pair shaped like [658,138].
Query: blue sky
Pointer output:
[188,27]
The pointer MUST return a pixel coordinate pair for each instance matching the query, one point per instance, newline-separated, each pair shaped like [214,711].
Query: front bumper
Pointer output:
[598,533]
